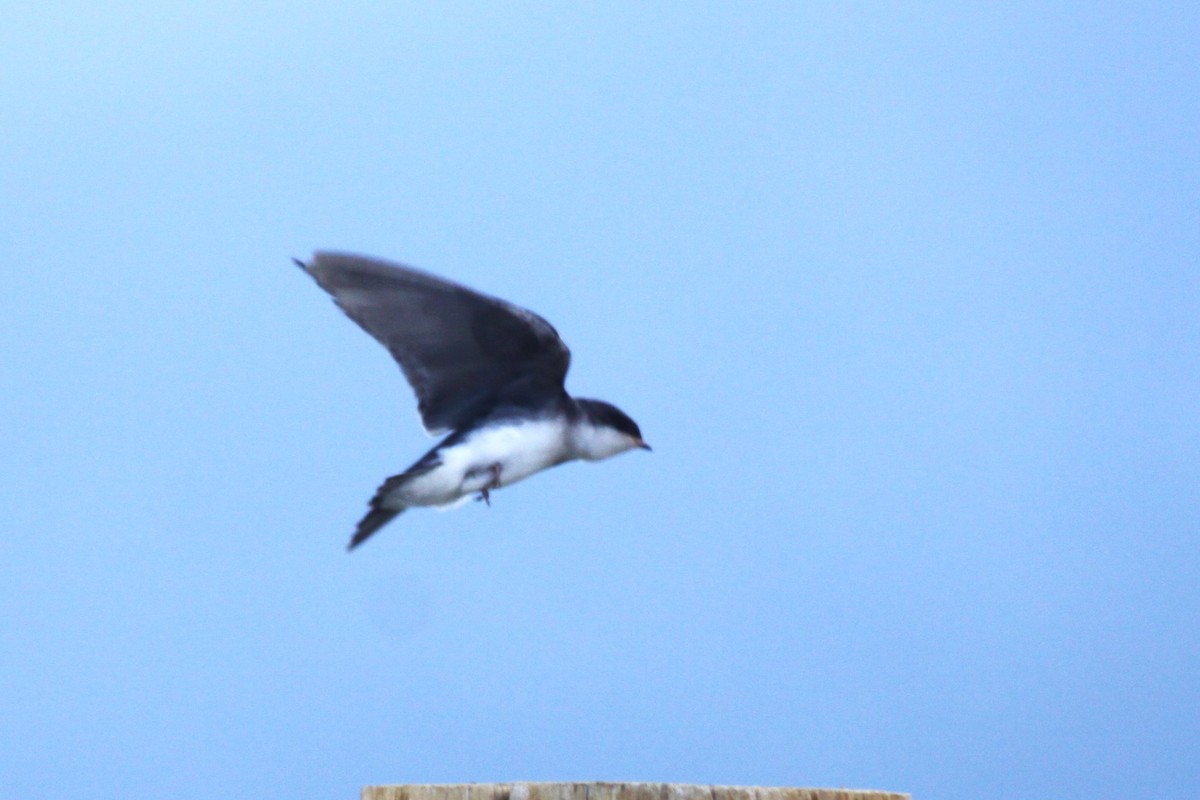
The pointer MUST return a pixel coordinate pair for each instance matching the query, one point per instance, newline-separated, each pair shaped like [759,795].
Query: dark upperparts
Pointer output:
[608,415]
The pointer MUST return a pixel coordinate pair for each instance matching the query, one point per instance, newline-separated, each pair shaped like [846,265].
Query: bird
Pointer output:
[488,376]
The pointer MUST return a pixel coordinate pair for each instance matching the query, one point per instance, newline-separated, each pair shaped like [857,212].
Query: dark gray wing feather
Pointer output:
[459,349]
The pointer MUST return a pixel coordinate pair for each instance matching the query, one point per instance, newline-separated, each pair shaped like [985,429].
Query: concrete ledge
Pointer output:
[613,791]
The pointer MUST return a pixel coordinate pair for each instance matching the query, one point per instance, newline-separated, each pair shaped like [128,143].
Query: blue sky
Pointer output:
[905,297]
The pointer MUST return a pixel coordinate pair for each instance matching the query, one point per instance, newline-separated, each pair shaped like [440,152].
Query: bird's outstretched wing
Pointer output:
[459,349]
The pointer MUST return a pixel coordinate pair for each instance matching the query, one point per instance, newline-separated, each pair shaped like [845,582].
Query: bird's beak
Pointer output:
[644,446]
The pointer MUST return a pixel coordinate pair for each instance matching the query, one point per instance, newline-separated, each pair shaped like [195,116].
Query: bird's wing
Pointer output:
[458,348]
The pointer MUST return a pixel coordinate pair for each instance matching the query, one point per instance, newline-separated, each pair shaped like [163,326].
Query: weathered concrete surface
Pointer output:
[613,791]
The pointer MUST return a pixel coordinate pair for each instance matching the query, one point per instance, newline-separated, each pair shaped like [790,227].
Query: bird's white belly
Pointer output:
[520,450]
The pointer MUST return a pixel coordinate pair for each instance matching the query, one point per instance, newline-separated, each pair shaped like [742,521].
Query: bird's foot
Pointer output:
[484,493]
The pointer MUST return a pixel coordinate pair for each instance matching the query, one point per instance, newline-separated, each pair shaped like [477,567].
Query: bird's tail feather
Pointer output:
[382,512]
[375,519]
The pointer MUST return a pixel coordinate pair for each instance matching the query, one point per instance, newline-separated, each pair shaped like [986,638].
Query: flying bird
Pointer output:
[486,372]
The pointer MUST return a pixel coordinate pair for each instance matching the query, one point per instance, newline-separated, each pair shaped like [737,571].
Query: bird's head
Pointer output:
[605,431]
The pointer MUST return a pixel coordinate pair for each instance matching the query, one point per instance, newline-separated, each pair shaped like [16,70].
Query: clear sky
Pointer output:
[905,296]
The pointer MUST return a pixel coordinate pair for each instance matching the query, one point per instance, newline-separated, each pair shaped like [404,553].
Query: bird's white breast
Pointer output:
[520,448]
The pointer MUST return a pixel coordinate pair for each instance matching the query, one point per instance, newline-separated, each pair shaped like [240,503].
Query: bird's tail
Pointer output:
[381,512]
[375,519]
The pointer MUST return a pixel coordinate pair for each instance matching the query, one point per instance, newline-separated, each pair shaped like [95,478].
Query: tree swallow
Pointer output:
[485,371]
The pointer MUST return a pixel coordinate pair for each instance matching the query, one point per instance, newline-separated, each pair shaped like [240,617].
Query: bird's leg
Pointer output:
[495,484]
